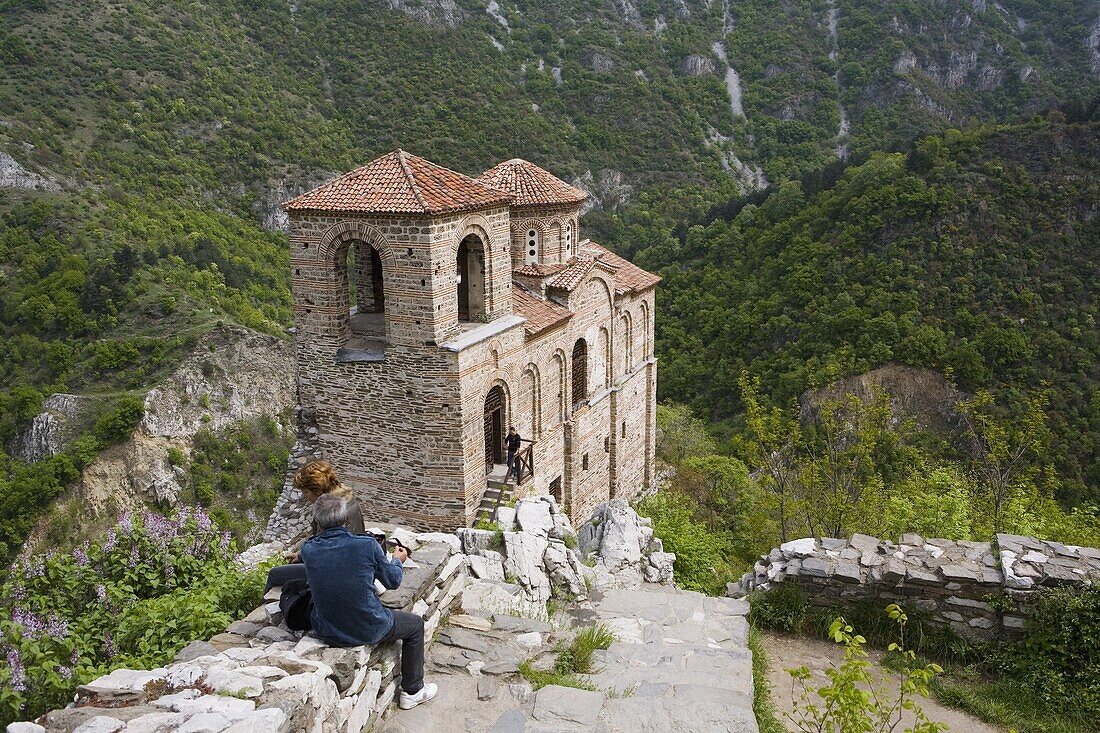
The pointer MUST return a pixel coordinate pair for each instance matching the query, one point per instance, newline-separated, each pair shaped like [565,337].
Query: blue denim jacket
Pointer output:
[341,568]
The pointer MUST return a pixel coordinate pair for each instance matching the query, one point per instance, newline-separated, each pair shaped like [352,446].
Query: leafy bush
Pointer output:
[1059,660]
[705,558]
[118,422]
[134,598]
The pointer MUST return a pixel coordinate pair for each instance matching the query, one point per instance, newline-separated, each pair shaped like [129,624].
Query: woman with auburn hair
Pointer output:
[314,480]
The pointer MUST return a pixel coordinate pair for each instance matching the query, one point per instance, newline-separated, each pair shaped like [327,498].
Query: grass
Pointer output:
[574,660]
[762,705]
[1007,704]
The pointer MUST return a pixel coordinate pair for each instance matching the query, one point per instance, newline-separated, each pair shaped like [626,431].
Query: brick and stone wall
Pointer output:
[977,589]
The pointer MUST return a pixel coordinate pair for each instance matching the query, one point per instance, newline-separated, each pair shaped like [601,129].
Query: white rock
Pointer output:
[100,724]
[128,679]
[308,644]
[268,720]
[203,723]
[803,547]
[531,640]
[626,630]
[489,597]
[525,553]
[232,682]
[184,675]
[485,567]
[231,707]
[506,518]
[1033,556]
[264,672]
[158,723]
[449,539]
[560,563]
[534,517]
[420,608]
[25,727]
[409,539]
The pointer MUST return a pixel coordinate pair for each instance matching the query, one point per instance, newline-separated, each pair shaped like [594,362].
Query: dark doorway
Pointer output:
[470,270]
[494,428]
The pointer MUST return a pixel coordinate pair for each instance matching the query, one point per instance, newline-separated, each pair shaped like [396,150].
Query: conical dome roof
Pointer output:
[530,185]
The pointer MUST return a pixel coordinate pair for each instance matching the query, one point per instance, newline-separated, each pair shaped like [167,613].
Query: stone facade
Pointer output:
[398,383]
[977,589]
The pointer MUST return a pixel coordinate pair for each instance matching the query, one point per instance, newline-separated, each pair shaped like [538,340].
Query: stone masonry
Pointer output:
[467,293]
[977,589]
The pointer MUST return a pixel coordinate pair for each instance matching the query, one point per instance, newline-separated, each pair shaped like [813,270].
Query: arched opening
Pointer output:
[627,329]
[359,275]
[470,270]
[533,389]
[601,371]
[494,428]
[645,330]
[580,372]
[559,360]
[531,253]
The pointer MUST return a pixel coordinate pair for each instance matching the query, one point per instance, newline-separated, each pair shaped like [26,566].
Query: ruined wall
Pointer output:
[977,589]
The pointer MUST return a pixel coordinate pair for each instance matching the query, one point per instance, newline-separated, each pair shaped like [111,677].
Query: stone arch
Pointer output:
[532,382]
[336,237]
[601,360]
[601,280]
[473,283]
[644,312]
[562,378]
[626,327]
[495,422]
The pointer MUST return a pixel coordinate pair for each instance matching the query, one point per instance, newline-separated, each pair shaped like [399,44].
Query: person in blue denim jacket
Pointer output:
[341,568]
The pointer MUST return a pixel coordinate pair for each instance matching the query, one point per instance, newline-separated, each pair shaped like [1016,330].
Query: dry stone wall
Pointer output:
[977,589]
[260,676]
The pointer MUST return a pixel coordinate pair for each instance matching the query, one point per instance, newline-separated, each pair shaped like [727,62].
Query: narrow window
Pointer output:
[569,240]
[532,256]
[584,462]
[580,372]
[624,428]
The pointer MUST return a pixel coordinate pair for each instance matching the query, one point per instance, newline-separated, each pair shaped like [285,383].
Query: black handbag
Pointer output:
[296,603]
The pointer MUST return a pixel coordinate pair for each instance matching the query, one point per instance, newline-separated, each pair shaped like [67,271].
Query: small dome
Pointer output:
[530,185]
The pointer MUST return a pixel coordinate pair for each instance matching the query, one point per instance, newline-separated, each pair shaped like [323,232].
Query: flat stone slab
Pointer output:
[554,703]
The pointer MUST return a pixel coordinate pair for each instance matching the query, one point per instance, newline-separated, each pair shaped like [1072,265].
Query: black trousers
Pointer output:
[409,629]
[280,574]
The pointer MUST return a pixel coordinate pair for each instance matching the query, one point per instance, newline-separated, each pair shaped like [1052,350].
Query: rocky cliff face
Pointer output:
[13,175]
[232,375]
[52,429]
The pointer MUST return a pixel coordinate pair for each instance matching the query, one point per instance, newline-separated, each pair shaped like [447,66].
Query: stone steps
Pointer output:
[681,663]
[489,499]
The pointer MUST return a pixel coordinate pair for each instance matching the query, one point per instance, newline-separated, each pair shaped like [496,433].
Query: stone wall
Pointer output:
[977,589]
[259,677]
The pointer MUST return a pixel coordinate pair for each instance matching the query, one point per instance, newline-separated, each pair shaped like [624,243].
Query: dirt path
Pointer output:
[787,652]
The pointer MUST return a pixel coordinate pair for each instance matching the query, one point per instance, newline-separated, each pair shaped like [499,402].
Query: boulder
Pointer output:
[487,566]
[525,563]
[565,580]
[533,516]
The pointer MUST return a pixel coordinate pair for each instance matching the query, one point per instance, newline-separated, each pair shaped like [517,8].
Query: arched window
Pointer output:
[531,255]
[359,274]
[645,330]
[559,360]
[534,394]
[601,367]
[568,240]
[580,372]
[470,271]
[627,335]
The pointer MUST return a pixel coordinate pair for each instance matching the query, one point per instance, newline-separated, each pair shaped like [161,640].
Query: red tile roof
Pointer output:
[628,276]
[530,185]
[572,275]
[540,314]
[399,183]
[539,270]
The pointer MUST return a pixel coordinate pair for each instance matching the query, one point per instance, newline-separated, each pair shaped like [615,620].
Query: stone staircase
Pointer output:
[497,486]
[680,663]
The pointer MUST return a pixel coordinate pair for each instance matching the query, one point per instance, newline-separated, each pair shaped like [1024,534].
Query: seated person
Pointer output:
[313,480]
[341,569]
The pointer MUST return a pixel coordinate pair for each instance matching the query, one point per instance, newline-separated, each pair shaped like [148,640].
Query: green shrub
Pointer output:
[134,598]
[118,422]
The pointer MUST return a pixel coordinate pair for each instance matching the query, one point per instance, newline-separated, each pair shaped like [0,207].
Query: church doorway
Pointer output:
[494,428]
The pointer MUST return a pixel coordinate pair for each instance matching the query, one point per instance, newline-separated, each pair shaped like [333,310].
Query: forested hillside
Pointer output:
[975,255]
[145,146]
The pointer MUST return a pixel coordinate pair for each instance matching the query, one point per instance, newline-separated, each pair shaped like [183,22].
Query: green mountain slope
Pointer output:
[976,253]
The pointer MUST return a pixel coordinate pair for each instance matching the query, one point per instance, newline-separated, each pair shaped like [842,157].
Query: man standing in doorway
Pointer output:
[512,443]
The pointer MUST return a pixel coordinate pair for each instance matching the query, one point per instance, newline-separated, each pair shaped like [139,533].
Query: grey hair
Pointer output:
[330,511]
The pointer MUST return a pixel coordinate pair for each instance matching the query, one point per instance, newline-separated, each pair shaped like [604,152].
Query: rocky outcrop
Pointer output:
[233,374]
[622,543]
[271,195]
[696,65]
[607,189]
[13,175]
[434,13]
[51,430]
[977,589]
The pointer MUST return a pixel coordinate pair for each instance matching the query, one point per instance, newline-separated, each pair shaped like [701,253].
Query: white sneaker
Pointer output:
[427,692]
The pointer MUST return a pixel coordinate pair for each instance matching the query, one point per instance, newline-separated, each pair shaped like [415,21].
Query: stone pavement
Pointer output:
[680,663]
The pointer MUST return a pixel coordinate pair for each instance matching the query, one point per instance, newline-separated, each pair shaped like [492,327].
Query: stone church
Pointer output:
[434,310]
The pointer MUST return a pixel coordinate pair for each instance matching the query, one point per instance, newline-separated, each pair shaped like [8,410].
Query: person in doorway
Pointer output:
[511,442]
[314,480]
[341,569]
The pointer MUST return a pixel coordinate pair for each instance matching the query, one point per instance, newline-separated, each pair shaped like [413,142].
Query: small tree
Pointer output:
[855,701]
[1006,456]
[774,444]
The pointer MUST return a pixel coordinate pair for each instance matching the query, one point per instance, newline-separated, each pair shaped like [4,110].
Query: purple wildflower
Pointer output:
[81,556]
[109,645]
[32,625]
[111,541]
[18,677]
[74,657]
[35,568]
[203,520]
[101,592]
[126,524]
[65,672]
[58,627]
[135,557]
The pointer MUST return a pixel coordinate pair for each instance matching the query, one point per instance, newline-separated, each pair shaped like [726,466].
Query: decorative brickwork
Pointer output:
[398,384]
